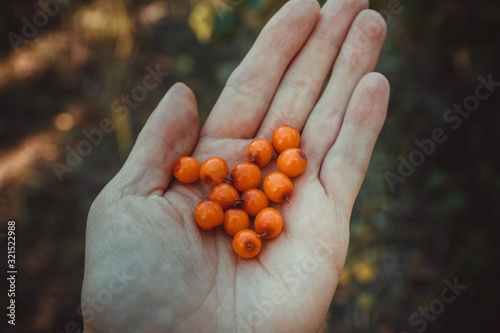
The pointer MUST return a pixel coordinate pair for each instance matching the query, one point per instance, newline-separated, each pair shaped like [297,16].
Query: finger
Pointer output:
[345,165]
[304,80]
[358,56]
[250,89]
[170,132]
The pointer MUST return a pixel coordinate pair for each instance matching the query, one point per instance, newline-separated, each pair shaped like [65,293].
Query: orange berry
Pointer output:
[278,187]
[209,214]
[268,223]
[260,152]
[285,137]
[253,201]
[246,243]
[214,171]
[225,195]
[246,175]
[292,162]
[186,170]
[235,220]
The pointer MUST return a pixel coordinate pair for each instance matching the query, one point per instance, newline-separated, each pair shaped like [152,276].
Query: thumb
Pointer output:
[170,132]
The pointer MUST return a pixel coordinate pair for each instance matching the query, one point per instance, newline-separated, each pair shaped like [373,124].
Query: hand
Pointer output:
[149,268]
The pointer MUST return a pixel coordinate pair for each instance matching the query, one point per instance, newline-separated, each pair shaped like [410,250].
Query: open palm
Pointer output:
[149,268]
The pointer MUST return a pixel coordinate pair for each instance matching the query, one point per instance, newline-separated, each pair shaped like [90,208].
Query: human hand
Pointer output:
[141,226]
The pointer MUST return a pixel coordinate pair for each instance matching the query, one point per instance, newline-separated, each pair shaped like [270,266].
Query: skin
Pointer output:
[183,279]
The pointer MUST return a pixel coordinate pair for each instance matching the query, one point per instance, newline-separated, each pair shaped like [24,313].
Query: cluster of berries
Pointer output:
[225,205]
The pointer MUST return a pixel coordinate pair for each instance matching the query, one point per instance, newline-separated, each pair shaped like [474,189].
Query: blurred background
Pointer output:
[60,78]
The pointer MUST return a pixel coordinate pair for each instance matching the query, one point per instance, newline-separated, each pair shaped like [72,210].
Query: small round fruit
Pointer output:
[285,137]
[186,170]
[246,243]
[260,152]
[253,201]
[225,195]
[246,175]
[214,171]
[268,223]
[292,162]
[278,187]
[235,220]
[209,214]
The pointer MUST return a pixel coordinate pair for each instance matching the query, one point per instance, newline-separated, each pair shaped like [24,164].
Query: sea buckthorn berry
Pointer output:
[214,171]
[225,195]
[235,220]
[285,137]
[268,223]
[209,214]
[253,201]
[278,187]
[246,175]
[186,170]
[260,152]
[246,243]
[292,162]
